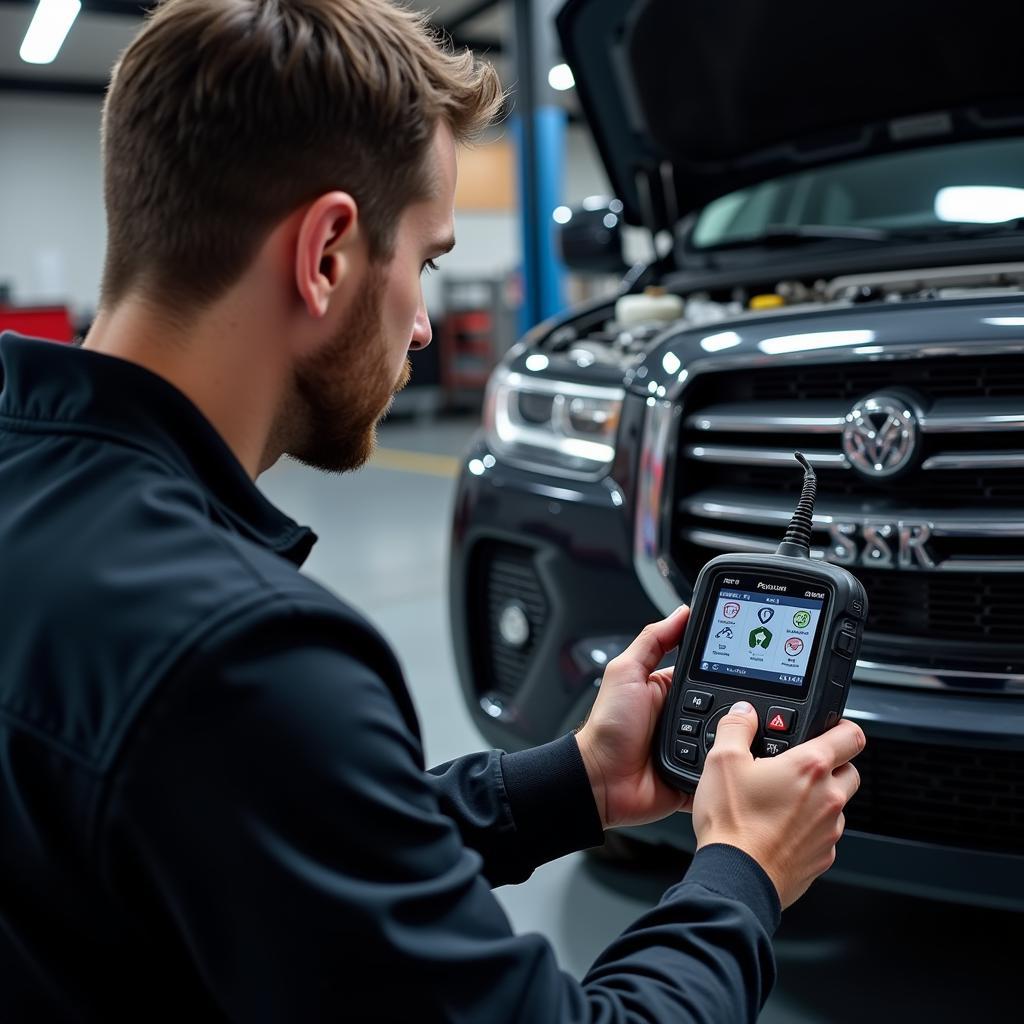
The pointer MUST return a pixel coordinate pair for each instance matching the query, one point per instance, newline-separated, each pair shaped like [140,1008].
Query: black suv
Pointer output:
[838,213]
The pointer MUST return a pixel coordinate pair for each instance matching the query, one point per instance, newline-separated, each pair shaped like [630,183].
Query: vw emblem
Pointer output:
[881,435]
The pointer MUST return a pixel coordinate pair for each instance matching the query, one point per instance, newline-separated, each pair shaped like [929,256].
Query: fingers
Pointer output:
[737,729]
[848,779]
[656,640]
[663,676]
[840,744]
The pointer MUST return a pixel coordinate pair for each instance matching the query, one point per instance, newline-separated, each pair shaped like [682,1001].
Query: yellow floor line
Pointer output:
[415,462]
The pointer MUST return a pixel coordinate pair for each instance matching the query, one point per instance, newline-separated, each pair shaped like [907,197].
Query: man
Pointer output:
[213,794]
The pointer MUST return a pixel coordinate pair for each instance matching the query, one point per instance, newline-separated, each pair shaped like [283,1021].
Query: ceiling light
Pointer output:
[49,28]
[560,77]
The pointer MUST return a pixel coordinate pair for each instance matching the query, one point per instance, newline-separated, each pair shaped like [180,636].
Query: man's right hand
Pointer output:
[785,811]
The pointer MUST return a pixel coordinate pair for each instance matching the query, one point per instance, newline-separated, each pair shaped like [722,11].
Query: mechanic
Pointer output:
[213,793]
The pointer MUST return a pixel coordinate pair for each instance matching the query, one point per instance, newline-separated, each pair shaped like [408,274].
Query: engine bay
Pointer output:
[624,337]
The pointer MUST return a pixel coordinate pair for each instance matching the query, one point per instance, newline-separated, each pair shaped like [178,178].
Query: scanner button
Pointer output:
[689,727]
[845,643]
[772,748]
[780,720]
[694,700]
[856,608]
[686,752]
[712,727]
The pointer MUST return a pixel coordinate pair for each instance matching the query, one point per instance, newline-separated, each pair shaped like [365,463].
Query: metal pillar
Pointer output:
[539,128]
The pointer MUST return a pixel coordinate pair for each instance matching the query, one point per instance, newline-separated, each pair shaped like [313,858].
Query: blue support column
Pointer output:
[539,130]
[540,192]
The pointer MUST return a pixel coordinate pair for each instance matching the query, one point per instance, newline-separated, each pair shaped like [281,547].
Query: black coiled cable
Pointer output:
[797,542]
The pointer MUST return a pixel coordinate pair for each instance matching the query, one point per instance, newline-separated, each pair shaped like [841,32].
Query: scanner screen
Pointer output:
[763,636]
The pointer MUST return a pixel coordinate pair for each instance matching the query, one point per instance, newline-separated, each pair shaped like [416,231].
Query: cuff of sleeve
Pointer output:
[728,871]
[551,799]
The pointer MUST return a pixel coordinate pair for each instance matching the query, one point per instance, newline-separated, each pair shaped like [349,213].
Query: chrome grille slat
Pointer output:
[737,542]
[976,460]
[763,457]
[744,418]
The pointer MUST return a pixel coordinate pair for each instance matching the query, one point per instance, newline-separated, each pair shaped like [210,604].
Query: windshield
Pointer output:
[966,183]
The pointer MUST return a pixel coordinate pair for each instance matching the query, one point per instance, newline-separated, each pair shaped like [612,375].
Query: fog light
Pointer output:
[513,625]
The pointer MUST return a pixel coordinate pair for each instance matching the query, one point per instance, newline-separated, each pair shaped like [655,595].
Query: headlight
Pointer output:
[553,426]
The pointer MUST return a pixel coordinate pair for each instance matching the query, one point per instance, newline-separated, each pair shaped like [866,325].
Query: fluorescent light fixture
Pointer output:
[817,340]
[537,362]
[561,215]
[49,28]
[1004,321]
[979,204]
[560,78]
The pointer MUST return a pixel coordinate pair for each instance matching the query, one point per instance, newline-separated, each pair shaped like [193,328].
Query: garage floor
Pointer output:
[845,955]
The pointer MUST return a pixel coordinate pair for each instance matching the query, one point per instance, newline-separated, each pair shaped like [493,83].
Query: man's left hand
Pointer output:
[616,740]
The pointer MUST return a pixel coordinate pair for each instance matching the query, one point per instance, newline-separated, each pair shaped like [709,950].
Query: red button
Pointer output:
[779,719]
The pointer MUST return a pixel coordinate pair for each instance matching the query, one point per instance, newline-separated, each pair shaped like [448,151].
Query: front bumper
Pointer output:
[942,802]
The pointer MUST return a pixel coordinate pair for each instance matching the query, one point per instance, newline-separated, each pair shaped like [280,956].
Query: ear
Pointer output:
[328,242]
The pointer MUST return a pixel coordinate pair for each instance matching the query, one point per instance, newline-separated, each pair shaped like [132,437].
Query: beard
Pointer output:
[341,392]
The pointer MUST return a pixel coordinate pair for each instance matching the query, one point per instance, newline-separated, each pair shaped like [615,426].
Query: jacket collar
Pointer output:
[76,390]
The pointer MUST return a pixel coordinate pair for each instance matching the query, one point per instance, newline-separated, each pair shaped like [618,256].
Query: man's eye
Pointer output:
[428,267]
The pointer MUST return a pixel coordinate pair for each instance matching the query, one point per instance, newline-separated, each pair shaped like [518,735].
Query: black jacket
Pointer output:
[213,802]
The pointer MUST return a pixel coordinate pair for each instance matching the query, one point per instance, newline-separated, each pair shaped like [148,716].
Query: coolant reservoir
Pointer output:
[653,305]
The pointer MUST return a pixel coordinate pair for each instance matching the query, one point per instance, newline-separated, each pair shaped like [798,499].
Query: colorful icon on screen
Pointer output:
[725,631]
[802,619]
[765,614]
[731,610]
[794,645]
[760,637]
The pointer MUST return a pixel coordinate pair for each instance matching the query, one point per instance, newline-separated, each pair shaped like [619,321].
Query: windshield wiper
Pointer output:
[796,234]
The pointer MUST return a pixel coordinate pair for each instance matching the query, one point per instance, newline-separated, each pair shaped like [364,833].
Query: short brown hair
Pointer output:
[223,116]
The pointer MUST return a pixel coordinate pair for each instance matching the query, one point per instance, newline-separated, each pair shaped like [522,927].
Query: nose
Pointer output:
[421,331]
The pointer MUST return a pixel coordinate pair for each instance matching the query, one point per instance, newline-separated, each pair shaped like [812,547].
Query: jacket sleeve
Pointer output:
[520,810]
[272,819]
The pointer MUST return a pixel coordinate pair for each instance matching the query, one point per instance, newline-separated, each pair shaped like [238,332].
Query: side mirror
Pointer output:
[590,236]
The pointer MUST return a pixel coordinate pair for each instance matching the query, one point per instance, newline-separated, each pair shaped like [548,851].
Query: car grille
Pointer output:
[503,574]
[736,485]
[954,796]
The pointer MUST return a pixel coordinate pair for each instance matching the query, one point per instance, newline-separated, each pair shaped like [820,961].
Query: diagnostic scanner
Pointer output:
[780,631]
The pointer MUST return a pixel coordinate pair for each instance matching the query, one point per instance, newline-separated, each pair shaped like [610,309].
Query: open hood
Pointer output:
[691,99]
